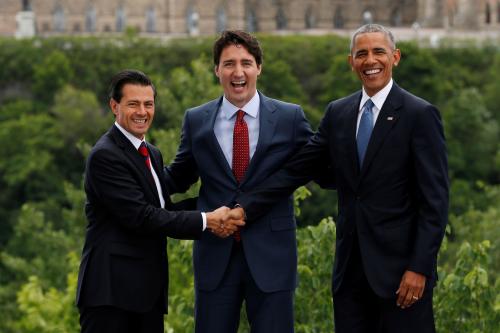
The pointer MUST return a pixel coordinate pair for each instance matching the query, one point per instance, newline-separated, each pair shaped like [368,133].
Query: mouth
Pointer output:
[373,71]
[139,121]
[238,84]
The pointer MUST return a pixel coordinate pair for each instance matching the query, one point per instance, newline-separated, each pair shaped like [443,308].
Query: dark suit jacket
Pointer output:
[397,203]
[124,261]
[269,242]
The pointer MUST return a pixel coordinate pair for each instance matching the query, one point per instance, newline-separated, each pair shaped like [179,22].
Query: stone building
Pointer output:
[204,17]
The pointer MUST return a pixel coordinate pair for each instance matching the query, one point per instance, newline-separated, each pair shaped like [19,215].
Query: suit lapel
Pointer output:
[137,160]
[387,118]
[157,164]
[209,134]
[267,126]
[352,119]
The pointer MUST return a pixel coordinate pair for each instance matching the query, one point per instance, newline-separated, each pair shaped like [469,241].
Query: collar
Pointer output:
[251,108]
[379,98]
[134,140]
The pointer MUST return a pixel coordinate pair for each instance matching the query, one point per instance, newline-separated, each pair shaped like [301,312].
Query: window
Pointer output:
[90,19]
[151,20]
[251,21]
[59,19]
[26,5]
[498,12]
[396,19]
[338,18]
[120,18]
[310,18]
[488,14]
[221,19]
[281,21]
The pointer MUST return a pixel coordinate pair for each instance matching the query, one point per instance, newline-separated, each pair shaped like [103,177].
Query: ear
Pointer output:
[216,70]
[259,69]
[397,56]
[114,106]
[350,61]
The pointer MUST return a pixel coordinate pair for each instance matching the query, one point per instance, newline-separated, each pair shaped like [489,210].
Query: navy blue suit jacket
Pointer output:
[269,242]
[397,203]
[124,260]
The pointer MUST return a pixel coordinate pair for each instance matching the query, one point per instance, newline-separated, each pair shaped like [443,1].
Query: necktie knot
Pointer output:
[143,150]
[368,106]
[239,115]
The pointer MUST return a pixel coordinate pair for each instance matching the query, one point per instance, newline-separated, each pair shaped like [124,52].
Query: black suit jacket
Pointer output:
[397,203]
[124,261]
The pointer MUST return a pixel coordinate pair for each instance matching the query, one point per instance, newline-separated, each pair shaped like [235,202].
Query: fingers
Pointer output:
[223,222]
[411,289]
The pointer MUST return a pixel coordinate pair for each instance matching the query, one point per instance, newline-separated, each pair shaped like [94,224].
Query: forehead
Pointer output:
[369,40]
[137,91]
[235,51]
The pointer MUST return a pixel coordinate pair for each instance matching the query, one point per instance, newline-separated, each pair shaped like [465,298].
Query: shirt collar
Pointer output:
[134,140]
[379,98]
[251,108]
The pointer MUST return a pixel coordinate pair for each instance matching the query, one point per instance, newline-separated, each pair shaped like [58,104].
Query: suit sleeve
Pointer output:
[114,188]
[431,171]
[183,172]
[310,161]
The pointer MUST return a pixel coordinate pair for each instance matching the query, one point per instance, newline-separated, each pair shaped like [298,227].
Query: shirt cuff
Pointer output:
[204,217]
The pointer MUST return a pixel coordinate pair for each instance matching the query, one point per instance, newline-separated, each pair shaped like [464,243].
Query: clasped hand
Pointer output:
[224,221]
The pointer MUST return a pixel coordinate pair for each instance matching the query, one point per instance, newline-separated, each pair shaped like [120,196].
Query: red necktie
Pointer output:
[241,152]
[145,153]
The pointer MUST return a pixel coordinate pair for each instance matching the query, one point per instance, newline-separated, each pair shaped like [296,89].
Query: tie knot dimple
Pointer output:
[239,115]
[369,105]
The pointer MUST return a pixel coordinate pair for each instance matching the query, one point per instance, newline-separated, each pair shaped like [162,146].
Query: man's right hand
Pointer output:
[220,224]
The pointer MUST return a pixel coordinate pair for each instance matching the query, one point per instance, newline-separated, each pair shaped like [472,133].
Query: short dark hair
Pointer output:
[371,27]
[237,37]
[128,76]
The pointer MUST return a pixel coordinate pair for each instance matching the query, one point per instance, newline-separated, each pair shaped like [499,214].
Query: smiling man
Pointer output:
[233,143]
[123,278]
[386,152]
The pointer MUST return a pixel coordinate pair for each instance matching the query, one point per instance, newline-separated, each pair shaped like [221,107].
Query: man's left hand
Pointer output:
[411,289]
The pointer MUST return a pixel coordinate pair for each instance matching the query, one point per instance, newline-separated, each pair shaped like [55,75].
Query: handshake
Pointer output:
[224,221]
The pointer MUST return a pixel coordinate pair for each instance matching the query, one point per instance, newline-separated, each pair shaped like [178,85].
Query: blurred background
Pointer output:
[56,60]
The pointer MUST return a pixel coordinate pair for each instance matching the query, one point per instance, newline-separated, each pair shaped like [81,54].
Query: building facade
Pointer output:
[205,17]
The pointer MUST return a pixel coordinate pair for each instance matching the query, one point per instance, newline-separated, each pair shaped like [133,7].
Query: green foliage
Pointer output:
[50,75]
[467,298]
[50,311]
[473,136]
[313,303]
[54,105]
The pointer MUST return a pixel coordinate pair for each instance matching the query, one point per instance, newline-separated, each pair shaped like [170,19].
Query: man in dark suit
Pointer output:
[123,278]
[386,153]
[233,143]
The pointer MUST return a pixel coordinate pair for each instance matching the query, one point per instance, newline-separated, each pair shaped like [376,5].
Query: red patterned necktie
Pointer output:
[143,150]
[241,152]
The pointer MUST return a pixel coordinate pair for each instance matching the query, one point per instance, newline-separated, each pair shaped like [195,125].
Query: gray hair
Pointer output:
[373,28]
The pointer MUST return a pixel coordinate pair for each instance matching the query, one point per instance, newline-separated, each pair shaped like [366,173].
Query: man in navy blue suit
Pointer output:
[386,153]
[232,144]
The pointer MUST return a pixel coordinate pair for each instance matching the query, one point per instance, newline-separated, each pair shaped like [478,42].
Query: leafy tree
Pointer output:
[472,136]
[51,74]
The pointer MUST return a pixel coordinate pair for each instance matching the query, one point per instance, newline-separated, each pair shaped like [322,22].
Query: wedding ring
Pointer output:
[415,297]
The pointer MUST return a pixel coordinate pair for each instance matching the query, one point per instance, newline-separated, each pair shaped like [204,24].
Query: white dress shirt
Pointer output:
[224,125]
[378,100]
[137,142]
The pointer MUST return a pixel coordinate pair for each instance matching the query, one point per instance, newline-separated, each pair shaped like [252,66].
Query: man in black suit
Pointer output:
[123,278]
[386,153]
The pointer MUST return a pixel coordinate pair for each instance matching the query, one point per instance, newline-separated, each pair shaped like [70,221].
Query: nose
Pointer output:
[370,58]
[238,70]
[141,109]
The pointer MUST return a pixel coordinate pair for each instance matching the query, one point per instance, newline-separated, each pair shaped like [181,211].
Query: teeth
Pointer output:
[372,71]
[238,82]
[140,121]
